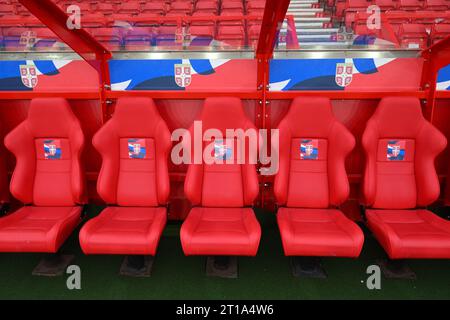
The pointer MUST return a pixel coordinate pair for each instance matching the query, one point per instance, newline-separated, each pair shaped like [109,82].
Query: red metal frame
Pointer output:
[436,57]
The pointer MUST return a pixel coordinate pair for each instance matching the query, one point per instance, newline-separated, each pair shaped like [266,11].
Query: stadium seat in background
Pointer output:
[414,36]
[410,5]
[48,179]
[439,31]
[139,38]
[222,222]
[134,181]
[312,182]
[400,180]
[231,35]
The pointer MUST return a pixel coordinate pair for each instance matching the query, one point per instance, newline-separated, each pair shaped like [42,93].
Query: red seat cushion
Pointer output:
[221,231]
[409,234]
[38,229]
[124,230]
[319,232]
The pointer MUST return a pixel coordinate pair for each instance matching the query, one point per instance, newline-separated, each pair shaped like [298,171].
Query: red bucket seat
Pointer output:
[47,178]
[400,180]
[133,180]
[222,222]
[312,182]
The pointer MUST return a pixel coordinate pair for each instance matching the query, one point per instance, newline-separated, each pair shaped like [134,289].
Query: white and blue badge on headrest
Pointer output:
[222,151]
[137,149]
[52,149]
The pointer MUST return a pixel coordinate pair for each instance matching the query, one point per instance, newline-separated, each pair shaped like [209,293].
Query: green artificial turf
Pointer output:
[175,276]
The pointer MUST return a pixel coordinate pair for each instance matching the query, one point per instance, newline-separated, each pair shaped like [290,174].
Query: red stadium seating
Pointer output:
[410,5]
[133,8]
[109,37]
[438,5]
[158,8]
[139,38]
[6,9]
[135,181]
[413,36]
[206,22]
[206,6]
[400,147]
[232,35]
[312,182]
[221,222]
[47,178]
[386,4]
[105,8]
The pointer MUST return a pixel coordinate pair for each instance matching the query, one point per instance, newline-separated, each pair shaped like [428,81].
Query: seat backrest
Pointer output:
[134,145]
[400,147]
[47,147]
[313,146]
[223,184]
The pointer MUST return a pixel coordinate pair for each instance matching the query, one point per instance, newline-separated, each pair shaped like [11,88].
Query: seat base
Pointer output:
[137,266]
[307,267]
[53,265]
[319,232]
[222,267]
[38,229]
[410,234]
[124,230]
[220,232]
[396,269]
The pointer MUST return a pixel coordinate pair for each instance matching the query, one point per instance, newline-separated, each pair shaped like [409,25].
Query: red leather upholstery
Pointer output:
[48,176]
[401,147]
[311,178]
[134,146]
[221,226]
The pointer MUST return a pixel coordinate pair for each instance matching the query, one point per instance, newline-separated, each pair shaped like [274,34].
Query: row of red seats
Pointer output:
[13,39]
[412,35]
[399,181]
[179,7]
[348,6]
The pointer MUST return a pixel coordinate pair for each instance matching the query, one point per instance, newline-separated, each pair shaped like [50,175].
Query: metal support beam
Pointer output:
[435,58]
[274,14]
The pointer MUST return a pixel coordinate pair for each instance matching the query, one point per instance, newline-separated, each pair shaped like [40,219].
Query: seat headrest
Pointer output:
[50,117]
[136,116]
[223,113]
[310,117]
[399,116]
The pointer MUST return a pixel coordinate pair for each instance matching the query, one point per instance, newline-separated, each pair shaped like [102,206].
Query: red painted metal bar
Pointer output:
[345,95]
[435,58]
[193,95]
[274,14]
[26,95]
